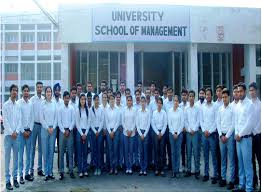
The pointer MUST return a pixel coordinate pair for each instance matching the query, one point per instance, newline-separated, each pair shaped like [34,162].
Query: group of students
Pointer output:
[128,132]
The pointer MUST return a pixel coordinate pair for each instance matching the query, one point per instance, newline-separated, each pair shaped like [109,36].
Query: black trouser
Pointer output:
[159,152]
[167,149]
[256,154]
[218,155]
[183,149]
[57,136]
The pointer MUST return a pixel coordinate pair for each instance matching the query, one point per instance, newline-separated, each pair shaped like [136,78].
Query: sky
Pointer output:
[28,6]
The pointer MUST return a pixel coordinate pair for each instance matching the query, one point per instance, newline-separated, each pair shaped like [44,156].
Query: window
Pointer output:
[27,71]
[11,58]
[258,55]
[43,71]
[11,71]
[27,58]
[11,37]
[57,57]
[103,66]
[57,71]
[43,36]
[44,57]
[27,27]
[44,26]
[11,26]
[28,37]
[93,69]
[122,66]
[206,70]
[56,37]
[114,70]
[216,73]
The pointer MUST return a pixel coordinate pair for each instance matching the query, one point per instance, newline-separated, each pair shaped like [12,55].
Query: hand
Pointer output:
[129,133]
[112,135]
[66,133]
[207,134]
[121,129]
[175,136]
[50,131]
[26,134]
[238,138]
[14,135]
[97,134]
[184,129]
[225,139]
[83,137]
[104,132]
[192,132]
[142,137]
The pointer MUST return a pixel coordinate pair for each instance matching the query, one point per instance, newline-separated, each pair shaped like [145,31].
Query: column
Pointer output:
[192,67]
[65,66]
[130,68]
[249,63]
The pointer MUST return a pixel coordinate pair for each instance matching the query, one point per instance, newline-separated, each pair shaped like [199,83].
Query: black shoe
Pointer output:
[51,177]
[206,178]
[9,186]
[16,184]
[46,178]
[238,190]
[230,186]
[163,174]
[22,181]
[72,175]
[214,180]
[29,178]
[111,172]
[197,175]
[188,174]
[40,173]
[61,176]
[173,175]
[222,183]
[140,173]
[156,173]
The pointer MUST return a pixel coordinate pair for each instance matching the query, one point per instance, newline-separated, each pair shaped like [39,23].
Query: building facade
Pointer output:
[182,46]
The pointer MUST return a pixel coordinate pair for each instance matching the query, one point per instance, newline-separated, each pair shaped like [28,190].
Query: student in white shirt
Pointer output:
[256,141]
[89,136]
[12,123]
[176,124]
[225,127]
[122,91]
[208,125]
[25,137]
[245,123]
[112,117]
[143,119]
[66,122]
[164,91]
[48,119]
[159,124]
[104,106]
[120,107]
[37,100]
[192,134]
[97,121]
[103,88]
[129,130]
[184,103]
[83,125]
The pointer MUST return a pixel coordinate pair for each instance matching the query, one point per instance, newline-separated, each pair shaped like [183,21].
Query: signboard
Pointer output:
[140,23]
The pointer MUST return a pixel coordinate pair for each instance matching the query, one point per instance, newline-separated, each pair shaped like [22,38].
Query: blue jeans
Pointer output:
[24,143]
[48,145]
[81,154]
[113,145]
[128,141]
[228,149]
[143,151]
[245,171]
[192,144]
[66,143]
[121,161]
[151,146]
[105,150]
[97,149]
[10,143]
[175,151]
[209,143]
[159,151]
[90,145]
[136,150]
[36,134]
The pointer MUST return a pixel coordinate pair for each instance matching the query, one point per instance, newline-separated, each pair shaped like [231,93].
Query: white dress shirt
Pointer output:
[11,117]
[48,114]
[74,104]
[82,122]
[123,100]
[143,119]
[27,117]
[59,103]
[183,105]
[245,116]
[225,120]
[159,122]
[97,117]
[112,119]
[104,109]
[192,118]
[137,106]
[168,104]
[129,120]
[257,110]
[208,117]
[153,105]
[199,104]
[121,109]
[175,120]
[36,102]
[66,117]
